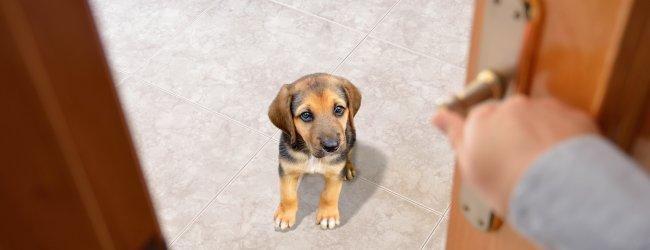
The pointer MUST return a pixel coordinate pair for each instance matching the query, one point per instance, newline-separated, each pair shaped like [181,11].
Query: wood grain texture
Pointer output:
[71,178]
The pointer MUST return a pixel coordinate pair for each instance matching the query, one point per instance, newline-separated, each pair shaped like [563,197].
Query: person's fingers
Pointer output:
[439,119]
[482,111]
[451,124]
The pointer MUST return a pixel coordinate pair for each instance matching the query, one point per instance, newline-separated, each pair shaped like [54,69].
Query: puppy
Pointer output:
[315,114]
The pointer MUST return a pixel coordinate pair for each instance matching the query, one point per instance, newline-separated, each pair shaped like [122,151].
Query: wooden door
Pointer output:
[593,55]
[69,175]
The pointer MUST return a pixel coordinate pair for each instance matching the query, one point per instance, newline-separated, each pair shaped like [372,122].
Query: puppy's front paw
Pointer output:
[328,217]
[350,173]
[284,218]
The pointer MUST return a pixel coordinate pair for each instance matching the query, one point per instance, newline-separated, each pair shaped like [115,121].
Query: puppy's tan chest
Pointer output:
[312,165]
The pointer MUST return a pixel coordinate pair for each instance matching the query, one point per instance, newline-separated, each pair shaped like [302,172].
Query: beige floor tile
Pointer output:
[241,217]
[358,14]
[235,58]
[134,30]
[438,28]
[399,92]
[187,153]
[438,240]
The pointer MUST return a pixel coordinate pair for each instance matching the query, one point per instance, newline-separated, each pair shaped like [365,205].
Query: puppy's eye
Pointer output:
[306,116]
[338,111]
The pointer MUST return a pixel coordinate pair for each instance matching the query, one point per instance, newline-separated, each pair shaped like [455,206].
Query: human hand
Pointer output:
[498,141]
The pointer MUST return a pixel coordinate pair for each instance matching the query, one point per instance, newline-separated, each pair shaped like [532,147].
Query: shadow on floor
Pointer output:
[355,193]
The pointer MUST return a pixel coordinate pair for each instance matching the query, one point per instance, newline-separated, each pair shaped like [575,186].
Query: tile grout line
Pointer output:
[223,188]
[120,82]
[328,21]
[317,16]
[369,35]
[177,35]
[403,197]
[173,37]
[208,109]
[415,51]
[435,228]
[366,36]
[273,136]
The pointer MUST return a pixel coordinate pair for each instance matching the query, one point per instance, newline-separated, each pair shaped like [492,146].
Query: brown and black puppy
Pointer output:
[315,114]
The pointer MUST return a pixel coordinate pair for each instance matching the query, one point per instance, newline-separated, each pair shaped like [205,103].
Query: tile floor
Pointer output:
[196,77]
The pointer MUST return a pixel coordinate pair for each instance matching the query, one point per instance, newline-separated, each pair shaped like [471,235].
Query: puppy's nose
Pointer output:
[330,145]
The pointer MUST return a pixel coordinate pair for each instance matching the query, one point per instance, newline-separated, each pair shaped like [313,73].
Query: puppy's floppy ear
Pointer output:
[280,112]
[354,100]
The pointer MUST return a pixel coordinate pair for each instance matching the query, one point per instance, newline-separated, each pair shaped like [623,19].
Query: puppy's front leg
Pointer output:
[350,173]
[328,211]
[285,215]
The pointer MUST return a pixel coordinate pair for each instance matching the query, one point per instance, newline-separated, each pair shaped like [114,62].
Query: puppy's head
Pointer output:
[317,108]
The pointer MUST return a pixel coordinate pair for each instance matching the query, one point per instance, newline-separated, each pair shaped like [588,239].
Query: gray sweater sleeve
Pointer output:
[583,194]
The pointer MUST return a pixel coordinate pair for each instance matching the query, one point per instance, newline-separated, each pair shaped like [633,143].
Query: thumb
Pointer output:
[452,125]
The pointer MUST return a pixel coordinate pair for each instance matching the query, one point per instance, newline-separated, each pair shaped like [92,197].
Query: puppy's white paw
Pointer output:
[328,217]
[350,173]
[284,219]
[329,223]
[282,225]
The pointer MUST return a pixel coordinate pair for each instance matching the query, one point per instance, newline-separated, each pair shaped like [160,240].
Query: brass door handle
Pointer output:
[486,85]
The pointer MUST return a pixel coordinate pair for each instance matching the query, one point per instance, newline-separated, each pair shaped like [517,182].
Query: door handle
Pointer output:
[487,85]
[504,49]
